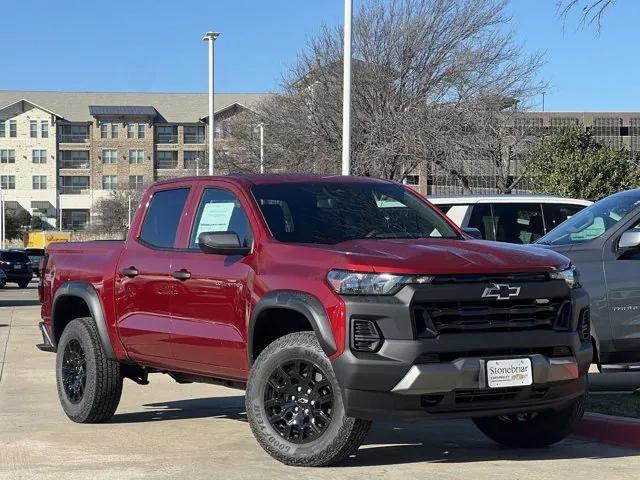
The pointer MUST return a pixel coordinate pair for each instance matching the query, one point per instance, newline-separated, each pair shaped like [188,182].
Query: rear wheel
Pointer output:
[295,408]
[89,384]
[532,429]
[23,283]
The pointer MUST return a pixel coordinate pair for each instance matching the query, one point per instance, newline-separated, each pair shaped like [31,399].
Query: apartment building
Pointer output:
[28,157]
[99,142]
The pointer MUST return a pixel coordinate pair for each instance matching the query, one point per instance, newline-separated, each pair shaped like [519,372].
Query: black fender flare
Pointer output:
[303,303]
[86,292]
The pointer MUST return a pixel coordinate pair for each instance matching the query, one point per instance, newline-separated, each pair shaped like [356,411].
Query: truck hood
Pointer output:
[441,256]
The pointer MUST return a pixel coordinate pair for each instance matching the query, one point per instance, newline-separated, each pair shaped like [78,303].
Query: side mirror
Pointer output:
[472,232]
[629,240]
[222,243]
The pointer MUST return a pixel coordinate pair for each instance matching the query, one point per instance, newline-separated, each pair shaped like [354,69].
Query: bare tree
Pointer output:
[112,212]
[428,77]
[591,11]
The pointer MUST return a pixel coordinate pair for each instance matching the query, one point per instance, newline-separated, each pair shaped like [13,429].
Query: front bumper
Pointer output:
[443,377]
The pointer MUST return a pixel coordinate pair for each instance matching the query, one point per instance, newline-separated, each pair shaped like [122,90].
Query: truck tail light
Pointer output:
[365,336]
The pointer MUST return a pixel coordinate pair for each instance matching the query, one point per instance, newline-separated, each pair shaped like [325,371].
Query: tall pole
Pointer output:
[346,89]
[59,212]
[129,200]
[543,94]
[211,38]
[261,147]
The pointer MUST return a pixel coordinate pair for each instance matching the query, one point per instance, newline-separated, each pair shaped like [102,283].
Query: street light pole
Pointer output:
[211,38]
[2,217]
[346,89]
[261,147]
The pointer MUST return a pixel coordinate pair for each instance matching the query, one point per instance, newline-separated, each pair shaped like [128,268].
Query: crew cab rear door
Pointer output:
[211,296]
[143,277]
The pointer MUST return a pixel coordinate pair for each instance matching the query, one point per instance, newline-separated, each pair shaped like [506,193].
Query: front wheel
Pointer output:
[23,283]
[89,384]
[533,429]
[295,407]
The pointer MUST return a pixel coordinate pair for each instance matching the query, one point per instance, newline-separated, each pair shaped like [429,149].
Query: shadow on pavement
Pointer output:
[391,443]
[19,303]
[215,407]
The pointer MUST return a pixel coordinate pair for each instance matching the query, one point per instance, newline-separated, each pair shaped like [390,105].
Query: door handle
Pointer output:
[182,275]
[130,272]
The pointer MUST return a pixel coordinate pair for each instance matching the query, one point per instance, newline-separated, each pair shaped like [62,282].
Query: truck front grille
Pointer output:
[504,315]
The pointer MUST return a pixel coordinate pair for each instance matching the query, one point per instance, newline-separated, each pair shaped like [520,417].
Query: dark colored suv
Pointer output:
[16,266]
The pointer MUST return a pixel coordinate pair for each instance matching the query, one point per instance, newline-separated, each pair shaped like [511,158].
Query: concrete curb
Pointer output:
[620,431]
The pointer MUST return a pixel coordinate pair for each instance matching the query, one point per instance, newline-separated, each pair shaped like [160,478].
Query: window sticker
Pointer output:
[215,217]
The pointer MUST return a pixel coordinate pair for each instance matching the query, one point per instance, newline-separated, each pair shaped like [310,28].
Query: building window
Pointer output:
[73,159]
[75,219]
[39,182]
[413,180]
[13,129]
[7,156]
[141,130]
[131,129]
[136,157]
[39,156]
[194,134]
[166,159]
[44,129]
[8,182]
[109,182]
[135,181]
[74,185]
[109,156]
[194,160]
[3,129]
[114,130]
[73,133]
[103,130]
[167,134]
[33,129]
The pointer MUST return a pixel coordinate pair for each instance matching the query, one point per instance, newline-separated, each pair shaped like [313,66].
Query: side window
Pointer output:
[482,219]
[555,214]
[518,222]
[163,216]
[221,211]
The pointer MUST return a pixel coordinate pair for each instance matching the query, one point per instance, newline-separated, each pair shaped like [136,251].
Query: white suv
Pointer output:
[509,218]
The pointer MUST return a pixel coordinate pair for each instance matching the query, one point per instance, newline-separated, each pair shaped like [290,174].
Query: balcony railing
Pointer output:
[74,137]
[74,190]
[73,165]
[166,164]
[166,138]
[193,138]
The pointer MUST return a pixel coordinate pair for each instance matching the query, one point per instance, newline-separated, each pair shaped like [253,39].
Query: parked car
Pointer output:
[509,218]
[603,242]
[35,256]
[16,266]
[334,300]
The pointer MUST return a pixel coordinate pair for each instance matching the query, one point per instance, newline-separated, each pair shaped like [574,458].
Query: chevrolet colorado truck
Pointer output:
[333,301]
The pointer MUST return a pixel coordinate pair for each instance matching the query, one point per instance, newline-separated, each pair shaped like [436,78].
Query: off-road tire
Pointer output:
[545,429]
[103,386]
[342,436]
[3,284]
[23,283]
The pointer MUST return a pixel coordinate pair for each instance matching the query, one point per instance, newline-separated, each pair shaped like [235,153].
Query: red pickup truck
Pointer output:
[334,301]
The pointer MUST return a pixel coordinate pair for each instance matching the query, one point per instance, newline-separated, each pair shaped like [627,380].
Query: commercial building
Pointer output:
[62,151]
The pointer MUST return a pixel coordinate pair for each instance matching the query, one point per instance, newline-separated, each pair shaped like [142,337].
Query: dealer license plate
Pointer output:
[514,372]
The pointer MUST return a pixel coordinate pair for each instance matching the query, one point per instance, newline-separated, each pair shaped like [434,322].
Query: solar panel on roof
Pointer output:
[98,110]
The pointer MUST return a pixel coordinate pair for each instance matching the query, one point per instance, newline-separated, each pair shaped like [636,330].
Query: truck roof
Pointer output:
[504,198]
[251,179]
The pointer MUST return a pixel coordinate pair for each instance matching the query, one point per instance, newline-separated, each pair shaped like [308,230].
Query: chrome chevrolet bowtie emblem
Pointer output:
[501,291]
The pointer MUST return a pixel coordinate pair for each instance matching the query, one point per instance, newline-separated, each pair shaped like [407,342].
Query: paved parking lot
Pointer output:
[166,430]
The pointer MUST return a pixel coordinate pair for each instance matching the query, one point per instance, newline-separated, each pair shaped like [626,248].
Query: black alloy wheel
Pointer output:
[74,371]
[298,401]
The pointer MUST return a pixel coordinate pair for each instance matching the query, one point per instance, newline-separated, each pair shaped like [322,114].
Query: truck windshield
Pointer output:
[593,221]
[335,212]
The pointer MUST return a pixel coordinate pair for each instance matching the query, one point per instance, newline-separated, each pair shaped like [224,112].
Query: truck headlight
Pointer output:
[357,283]
[569,275]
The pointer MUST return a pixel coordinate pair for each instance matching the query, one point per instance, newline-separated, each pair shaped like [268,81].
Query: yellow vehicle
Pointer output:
[43,238]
